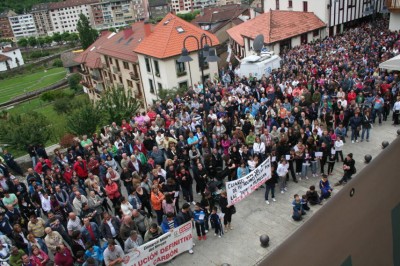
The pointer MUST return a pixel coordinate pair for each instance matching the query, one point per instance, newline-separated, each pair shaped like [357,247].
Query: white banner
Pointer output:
[241,188]
[162,249]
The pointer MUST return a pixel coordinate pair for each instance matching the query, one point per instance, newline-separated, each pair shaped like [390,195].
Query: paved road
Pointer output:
[241,246]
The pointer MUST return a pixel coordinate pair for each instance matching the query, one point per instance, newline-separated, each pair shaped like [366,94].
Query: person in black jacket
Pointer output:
[355,124]
[349,169]
[366,125]
[270,185]
[18,235]
[184,216]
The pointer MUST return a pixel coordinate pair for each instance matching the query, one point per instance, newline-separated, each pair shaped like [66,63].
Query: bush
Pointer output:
[38,54]
[57,63]
[50,96]
[74,82]
[67,140]
[62,105]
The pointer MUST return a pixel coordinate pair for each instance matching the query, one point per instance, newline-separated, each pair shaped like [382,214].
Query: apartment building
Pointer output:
[5,27]
[393,7]
[23,26]
[337,14]
[182,6]
[41,18]
[158,8]
[111,13]
[65,15]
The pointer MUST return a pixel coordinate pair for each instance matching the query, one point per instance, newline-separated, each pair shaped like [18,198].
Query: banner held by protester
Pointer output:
[239,189]
[162,249]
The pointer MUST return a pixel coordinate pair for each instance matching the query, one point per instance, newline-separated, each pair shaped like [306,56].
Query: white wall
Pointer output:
[394,22]
[3,66]
[319,7]
[65,19]
[14,55]
[168,77]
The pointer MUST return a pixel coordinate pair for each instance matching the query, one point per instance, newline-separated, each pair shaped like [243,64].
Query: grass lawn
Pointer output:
[21,84]
[58,121]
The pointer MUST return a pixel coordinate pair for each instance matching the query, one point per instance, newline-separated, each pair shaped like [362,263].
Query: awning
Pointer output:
[391,64]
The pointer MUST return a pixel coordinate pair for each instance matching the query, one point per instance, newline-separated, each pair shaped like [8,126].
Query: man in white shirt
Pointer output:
[78,200]
[74,223]
[133,241]
[282,170]
[113,254]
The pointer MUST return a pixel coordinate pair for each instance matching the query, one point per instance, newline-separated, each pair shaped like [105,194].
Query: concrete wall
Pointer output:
[394,22]
[65,20]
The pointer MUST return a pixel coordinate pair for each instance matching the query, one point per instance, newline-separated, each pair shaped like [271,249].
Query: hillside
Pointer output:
[21,6]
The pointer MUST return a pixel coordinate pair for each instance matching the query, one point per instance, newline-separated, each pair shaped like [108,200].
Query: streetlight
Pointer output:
[206,54]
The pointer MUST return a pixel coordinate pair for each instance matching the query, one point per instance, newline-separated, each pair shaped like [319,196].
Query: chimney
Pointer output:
[147,28]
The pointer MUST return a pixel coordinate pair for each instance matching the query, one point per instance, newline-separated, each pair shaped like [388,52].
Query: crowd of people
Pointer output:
[139,178]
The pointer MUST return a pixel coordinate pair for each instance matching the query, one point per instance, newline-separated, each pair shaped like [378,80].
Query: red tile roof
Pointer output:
[276,25]
[122,44]
[166,41]
[90,56]
[220,13]
[9,49]
[4,58]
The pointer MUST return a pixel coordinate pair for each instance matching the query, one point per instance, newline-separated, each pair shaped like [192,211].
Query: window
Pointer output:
[148,68]
[129,82]
[290,4]
[156,68]
[180,68]
[305,6]
[277,4]
[126,65]
[151,85]
[183,84]
[315,33]
[159,86]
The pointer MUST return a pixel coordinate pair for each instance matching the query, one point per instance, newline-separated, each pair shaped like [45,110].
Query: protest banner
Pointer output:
[162,249]
[239,189]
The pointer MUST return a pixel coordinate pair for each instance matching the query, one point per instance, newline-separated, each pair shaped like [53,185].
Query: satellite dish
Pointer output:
[258,43]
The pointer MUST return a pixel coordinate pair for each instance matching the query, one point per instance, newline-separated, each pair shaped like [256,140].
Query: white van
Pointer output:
[257,65]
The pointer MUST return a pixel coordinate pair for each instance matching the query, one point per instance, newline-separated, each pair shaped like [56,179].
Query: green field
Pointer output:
[16,86]
[37,105]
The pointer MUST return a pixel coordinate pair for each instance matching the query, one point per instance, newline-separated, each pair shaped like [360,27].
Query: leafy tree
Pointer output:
[20,130]
[65,35]
[23,42]
[48,40]
[171,93]
[41,41]
[112,30]
[32,41]
[84,120]
[116,104]
[87,34]
[73,38]
[57,37]
[189,16]
[74,82]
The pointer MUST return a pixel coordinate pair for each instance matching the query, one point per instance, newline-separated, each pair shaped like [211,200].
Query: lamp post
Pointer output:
[206,54]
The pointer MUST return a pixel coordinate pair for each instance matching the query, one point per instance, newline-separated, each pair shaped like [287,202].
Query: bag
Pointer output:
[233,209]
[355,170]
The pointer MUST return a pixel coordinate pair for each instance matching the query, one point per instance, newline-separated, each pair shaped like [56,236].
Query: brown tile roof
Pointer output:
[166,41]
[276,25]
[90,56]
[4,58]
[9,49]
[71,3]
[67,59]
[122,44]
[221,13]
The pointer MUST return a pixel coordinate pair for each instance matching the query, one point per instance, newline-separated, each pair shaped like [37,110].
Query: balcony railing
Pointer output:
[393,5]
[83,72]
[96,78]
[133,76]
[116,70]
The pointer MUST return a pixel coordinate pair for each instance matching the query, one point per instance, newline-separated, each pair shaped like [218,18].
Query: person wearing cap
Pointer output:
[113,254]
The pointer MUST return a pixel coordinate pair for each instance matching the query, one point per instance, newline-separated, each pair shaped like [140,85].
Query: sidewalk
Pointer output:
[254,217]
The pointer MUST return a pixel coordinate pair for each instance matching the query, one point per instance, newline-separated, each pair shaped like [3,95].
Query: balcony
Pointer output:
[97,78]
[116,70]
[83,72]
[393,6]
[133,76]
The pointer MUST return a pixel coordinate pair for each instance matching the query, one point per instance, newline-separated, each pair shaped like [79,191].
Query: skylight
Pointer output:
[130,39]
[94,47]
[180,29]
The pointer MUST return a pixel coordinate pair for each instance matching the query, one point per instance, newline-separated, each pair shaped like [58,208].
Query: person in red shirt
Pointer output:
[42,166]
[67,174]
[80,168]
[126,126]
[63,256]
[351,96]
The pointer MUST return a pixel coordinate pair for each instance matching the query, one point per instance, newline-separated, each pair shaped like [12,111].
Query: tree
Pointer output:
[116,105]
[74,82]
[57,37]
[84,120]
[23,42]
[32,41]
[48,40]
[65,35]
[189,16]
[20,130]
[167,94]
[87,34]
[73,38]
[41,41]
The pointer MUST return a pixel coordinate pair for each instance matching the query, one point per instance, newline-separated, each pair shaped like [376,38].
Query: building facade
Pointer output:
[394,8]
[23,26]
[158,54]
[5,26]
[41,18]
[182,6]
[282,30]
[10,57]
[158,8]
[336,14]
[115,14]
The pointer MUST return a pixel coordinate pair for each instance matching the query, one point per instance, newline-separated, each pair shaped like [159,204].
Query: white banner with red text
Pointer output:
[162,249]
[239,189]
